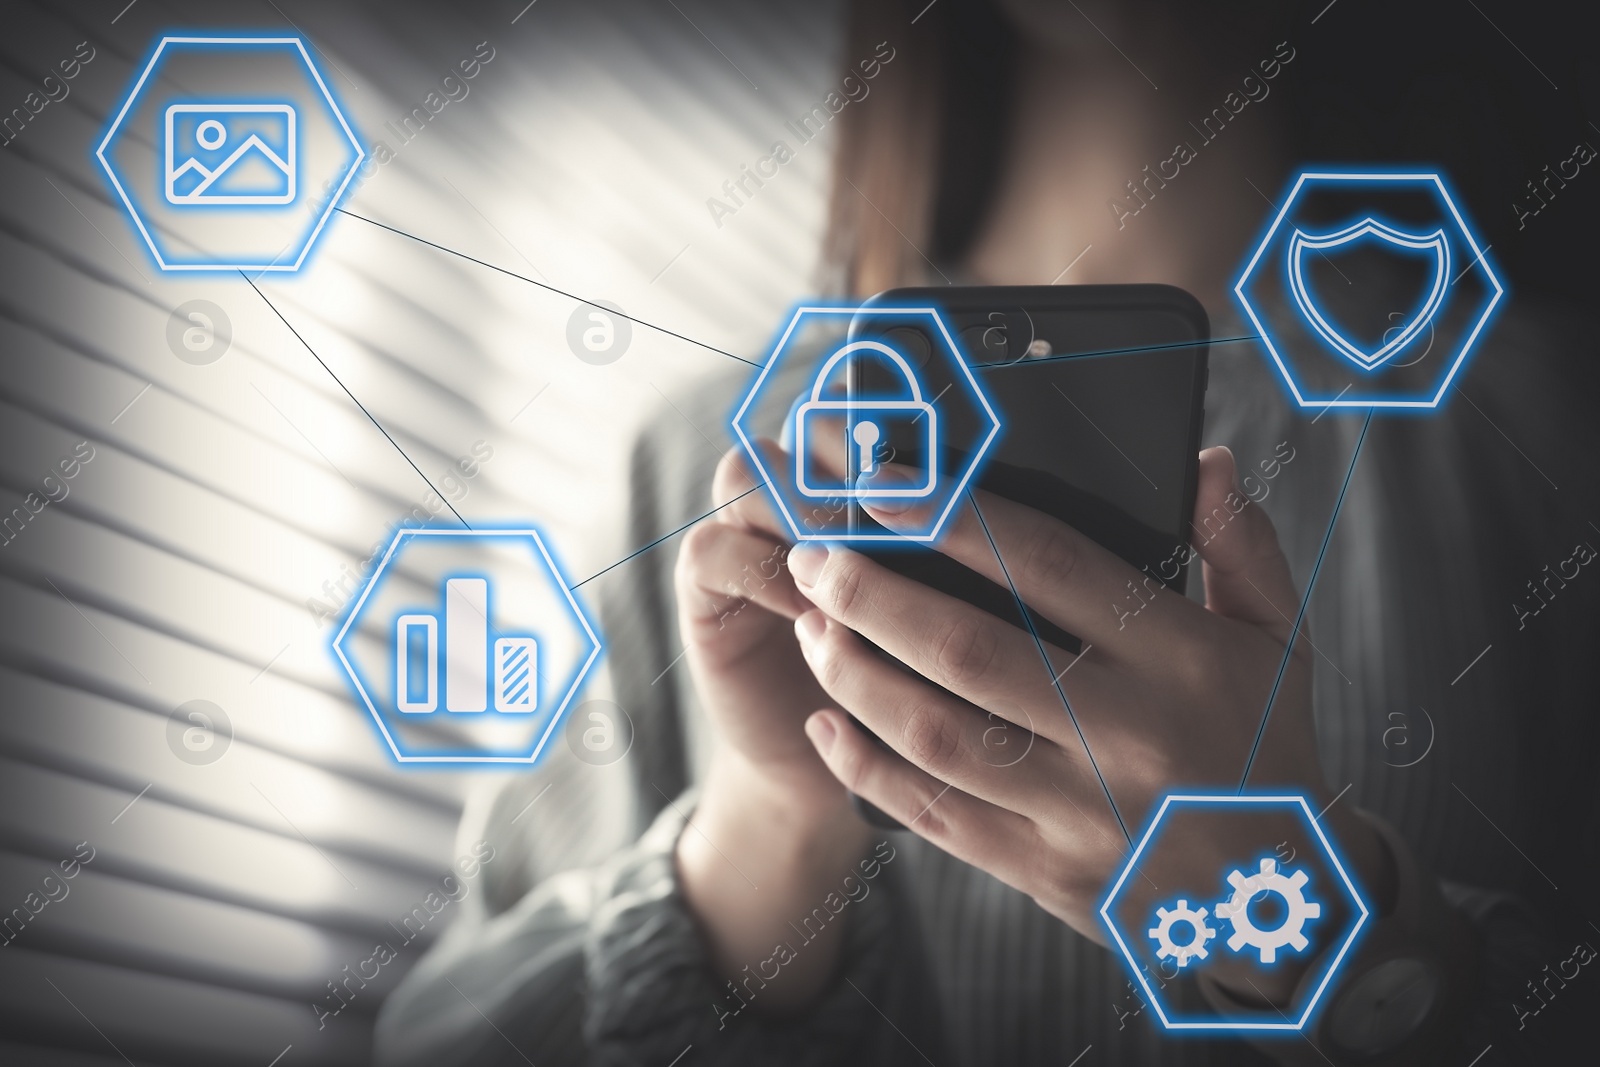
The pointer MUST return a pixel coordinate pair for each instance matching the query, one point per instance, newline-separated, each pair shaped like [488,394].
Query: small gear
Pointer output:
[1162,933]
[1296,911]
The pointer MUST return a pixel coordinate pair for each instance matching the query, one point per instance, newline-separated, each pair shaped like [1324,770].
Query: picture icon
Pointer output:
[466,662]
[218,146]
[229,154]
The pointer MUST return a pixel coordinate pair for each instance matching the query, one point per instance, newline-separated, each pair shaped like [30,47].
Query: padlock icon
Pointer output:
[867,424]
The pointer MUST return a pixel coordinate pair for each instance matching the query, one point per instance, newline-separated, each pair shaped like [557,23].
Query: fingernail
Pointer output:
[806,560]
[1233,462]
[889,479]
[810,626]
[821,730]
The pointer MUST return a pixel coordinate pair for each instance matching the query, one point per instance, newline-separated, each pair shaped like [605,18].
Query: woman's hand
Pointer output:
[736,608]
[1170,697]
[773,833]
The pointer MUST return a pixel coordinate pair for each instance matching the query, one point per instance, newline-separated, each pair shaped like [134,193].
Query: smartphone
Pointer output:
[1099,391]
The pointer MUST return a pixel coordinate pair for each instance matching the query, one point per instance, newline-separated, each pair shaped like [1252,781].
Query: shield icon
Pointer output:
[1301,243]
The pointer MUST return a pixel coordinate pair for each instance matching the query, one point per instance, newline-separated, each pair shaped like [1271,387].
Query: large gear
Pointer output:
[1162,933]
[1297,910]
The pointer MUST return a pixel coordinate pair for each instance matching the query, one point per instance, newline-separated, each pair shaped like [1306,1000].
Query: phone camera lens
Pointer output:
[988,344]
[912,344]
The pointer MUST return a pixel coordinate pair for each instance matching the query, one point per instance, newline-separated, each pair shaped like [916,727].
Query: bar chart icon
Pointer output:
[466,662]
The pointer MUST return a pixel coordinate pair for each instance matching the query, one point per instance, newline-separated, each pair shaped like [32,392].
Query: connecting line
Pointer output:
[1049,668]
[1114,352]
[667,536]
[358,403]
[1305,602]
[549,288]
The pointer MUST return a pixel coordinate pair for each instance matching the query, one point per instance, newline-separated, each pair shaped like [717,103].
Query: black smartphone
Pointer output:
[1100,392]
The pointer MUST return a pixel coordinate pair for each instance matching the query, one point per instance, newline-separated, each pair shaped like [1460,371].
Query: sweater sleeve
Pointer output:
[604,965]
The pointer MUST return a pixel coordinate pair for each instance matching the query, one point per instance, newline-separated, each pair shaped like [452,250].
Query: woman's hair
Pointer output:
[918,162]
[915,171]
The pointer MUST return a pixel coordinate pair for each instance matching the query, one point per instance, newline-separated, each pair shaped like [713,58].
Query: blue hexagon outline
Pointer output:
[133,212]
[554,572]
[1333,857]
[772,361]
[1466,232]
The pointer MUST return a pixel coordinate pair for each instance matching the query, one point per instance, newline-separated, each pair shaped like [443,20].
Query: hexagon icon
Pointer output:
[866,404]
[221,150]
[1282,894]
[467,646]
[1369,290]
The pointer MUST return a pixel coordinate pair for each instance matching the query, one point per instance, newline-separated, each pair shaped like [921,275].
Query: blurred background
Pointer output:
[224,494]
[203,550]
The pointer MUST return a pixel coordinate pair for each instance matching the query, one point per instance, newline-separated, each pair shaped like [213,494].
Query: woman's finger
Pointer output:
[1247,576]
[731,487]
[968,828]
[943,736]
[1066,577]
[721,568]
[736,476]
[948,641]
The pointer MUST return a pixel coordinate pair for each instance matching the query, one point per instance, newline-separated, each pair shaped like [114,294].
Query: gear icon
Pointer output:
[1162,932]
[1297,910]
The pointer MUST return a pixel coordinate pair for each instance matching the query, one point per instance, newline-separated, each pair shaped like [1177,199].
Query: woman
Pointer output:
[999,148]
